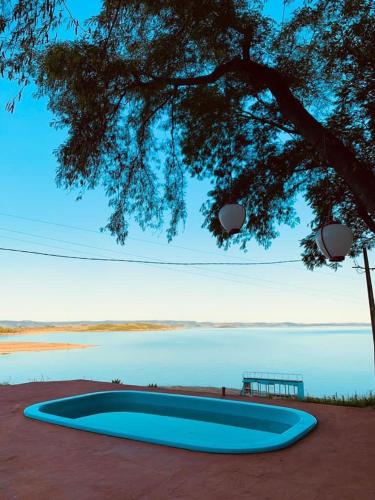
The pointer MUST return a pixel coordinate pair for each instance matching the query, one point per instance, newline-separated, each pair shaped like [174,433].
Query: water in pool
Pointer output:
[331,359]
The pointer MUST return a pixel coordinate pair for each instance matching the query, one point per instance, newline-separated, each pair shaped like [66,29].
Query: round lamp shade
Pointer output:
[334,241]
[232,217]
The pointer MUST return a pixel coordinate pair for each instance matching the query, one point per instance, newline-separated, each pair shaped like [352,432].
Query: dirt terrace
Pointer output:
[40,461]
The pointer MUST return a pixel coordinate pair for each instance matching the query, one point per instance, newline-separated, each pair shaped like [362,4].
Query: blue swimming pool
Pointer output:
[190,422]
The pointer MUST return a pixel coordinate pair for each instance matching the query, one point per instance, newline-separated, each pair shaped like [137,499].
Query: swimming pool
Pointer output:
[191,422]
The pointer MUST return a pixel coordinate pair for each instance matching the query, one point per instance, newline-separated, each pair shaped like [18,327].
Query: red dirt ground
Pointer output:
[40,461]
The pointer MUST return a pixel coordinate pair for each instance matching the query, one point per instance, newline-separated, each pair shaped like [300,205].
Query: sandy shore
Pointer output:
[11,347]
[40,461]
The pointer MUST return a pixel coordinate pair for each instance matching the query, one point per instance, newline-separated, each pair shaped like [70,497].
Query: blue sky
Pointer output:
[41,288]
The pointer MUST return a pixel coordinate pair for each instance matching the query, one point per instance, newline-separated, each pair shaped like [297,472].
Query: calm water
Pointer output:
[331,360]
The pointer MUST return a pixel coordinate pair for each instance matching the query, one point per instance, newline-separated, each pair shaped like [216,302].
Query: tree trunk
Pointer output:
[357,175]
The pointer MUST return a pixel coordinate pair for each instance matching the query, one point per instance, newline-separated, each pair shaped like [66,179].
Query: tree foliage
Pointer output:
[153,91]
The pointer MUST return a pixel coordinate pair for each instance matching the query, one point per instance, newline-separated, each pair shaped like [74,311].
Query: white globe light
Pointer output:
[232,217]
[334,241]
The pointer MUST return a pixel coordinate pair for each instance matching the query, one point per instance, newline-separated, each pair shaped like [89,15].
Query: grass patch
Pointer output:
[356,400]
[5,329]
[121,327]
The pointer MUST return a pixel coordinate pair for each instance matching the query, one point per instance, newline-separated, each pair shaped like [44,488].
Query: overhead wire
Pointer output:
[193,272]
[164,264]
[169,245]
[223,275]
[173,263]
[139,261]
[131,238]
[159,264]
[212,275]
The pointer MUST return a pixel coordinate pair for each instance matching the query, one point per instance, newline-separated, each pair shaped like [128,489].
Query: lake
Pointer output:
[330,359]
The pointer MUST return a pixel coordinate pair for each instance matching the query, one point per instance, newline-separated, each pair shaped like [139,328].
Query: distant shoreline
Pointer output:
[25,328]
[92,328]
[8,327]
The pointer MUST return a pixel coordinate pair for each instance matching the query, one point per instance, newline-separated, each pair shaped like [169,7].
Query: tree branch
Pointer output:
[112,25]
[218,72]
[267,121]
[365,216]
[357,175]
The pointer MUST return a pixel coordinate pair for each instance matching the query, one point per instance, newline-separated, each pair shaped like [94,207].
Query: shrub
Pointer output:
[355,400]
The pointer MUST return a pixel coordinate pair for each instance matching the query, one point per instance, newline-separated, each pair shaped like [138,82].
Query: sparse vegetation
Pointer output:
[152,385]
[120,327]
[116,381]
[5,330]
[98,327]
[355,400]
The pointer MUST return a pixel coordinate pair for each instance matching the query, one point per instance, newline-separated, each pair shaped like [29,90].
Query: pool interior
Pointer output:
[103,404]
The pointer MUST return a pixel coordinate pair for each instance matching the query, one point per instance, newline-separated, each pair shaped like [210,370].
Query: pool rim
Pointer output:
[307,422]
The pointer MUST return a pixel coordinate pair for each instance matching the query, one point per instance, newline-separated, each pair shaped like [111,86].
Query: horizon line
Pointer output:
[299,323]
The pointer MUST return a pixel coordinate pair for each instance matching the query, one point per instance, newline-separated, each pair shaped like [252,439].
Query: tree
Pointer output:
[151,91]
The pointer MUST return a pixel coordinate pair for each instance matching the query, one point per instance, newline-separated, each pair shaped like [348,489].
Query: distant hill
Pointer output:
[173,323]
[6,330]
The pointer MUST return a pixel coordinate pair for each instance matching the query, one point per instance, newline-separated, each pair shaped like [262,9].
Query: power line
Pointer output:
[212,275]
[176,267]
[179,264]
[80,228]
[243,281]
[33,235]
[179,268]
[95,231]
[50,223]
[143,240]
[137,261]
[163,265]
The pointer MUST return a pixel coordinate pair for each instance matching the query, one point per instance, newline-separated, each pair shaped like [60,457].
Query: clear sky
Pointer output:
[34,214]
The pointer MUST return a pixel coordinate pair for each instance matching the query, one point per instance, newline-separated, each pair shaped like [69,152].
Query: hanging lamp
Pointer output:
[232,217]
[334,241]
